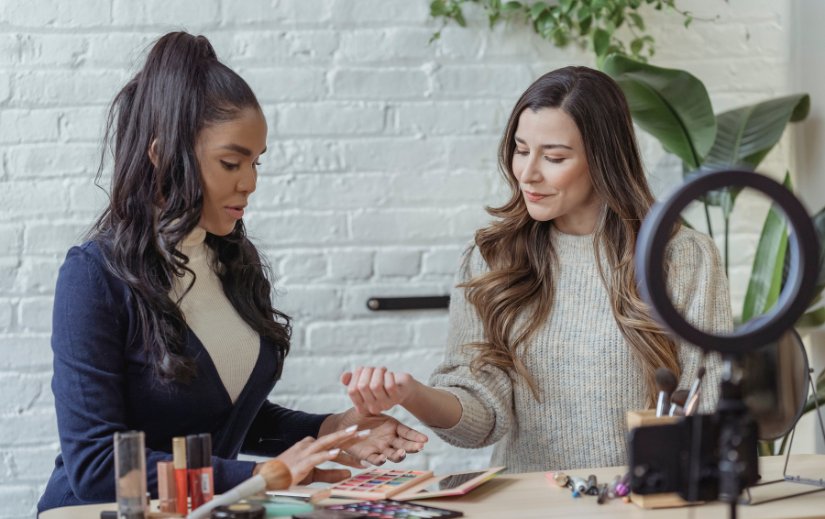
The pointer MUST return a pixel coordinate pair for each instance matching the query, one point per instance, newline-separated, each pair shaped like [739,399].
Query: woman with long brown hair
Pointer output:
[549,343]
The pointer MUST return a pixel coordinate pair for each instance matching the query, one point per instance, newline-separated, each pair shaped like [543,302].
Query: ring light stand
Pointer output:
[715,456]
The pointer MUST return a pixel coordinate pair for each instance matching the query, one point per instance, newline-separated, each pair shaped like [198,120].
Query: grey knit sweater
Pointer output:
[587,375]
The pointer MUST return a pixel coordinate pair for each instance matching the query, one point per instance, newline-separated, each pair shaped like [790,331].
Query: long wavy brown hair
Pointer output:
[518,249]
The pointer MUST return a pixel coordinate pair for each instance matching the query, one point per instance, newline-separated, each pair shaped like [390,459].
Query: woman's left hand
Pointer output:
[389,439]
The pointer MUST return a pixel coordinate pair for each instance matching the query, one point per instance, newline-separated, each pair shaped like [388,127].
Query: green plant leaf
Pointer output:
[459,17]
[636,45]
[670,104]
[819,225]
[812,319]
[511,6]
[437,8]
[566,5]
[766,448]
[584,25]
[810,405]
[546,24]
[765,282]
[637,20]
[601,41]
[537,9]
[747,134]
[560,39]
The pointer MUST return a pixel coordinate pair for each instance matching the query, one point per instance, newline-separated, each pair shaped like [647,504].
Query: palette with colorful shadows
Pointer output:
[379,483]
[388,509]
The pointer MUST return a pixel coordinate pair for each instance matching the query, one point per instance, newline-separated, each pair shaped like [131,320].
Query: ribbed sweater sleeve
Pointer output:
[699,290]
[487,396]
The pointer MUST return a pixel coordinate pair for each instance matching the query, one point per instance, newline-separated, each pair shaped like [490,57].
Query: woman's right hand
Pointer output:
[302,458]
[373,390]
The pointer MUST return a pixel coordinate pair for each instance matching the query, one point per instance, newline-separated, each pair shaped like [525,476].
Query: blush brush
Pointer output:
[692,404]
[666,384]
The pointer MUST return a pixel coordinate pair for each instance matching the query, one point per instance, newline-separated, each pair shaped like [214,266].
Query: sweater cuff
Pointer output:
[313,424]
[230,473]
[474,427]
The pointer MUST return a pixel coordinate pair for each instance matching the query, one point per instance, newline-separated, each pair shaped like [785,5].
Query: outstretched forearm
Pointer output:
[433,407]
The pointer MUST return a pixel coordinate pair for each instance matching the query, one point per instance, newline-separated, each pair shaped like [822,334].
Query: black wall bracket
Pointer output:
[408,303]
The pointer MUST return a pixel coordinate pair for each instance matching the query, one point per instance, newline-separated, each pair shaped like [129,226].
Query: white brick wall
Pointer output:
[382,154]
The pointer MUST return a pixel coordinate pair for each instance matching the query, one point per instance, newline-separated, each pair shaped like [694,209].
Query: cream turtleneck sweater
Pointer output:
[587,375]
[231,343]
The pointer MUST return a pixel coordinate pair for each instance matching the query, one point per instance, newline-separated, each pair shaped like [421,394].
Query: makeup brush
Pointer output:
[679,397]
[692,403]
[677,402]
[666,383]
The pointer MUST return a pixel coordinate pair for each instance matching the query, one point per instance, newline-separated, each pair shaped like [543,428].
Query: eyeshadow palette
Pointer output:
[388,509]
[379,483]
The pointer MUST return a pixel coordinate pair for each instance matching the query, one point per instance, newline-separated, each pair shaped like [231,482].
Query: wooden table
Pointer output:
[528,496]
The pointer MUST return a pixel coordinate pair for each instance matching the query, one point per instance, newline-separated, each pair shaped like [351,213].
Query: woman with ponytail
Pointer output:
[163,320]
[549,343]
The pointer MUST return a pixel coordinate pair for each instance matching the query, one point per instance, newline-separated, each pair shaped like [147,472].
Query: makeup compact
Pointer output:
[454,484]
[239,511]
[379,483]
[283,506]
[391,509]
[409,485]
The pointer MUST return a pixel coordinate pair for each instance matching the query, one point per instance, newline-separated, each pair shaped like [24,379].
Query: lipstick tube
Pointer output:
[194,463]
[207,483]
[181,483]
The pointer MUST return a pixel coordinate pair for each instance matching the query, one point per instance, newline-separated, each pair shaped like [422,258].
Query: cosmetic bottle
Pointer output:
[130,475]
[167,493]
[207,483]
[193,469]
[181,479]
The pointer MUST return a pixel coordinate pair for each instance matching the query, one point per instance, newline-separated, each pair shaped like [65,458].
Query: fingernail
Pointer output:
[351,428]
[402,453]
[333,452]
[362,434]
[366,464]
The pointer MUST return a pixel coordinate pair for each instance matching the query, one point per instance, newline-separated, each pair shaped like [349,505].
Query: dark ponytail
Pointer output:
[181,89]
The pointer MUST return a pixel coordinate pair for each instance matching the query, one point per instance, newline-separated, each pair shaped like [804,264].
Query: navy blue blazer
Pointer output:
[102,384]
